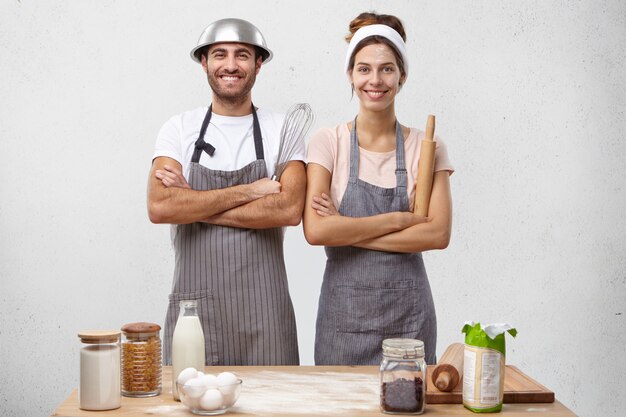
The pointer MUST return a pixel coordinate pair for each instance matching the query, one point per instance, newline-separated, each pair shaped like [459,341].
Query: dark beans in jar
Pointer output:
[403,395]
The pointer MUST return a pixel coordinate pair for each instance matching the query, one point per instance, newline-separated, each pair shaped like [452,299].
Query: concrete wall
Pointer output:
[530,97]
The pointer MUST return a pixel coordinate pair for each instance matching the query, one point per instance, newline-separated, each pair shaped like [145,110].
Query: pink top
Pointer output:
[330,148]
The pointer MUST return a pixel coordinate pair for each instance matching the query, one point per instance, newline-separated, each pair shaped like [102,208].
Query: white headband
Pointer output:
[378,30]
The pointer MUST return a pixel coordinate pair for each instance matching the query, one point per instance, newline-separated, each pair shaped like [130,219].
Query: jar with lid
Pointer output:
[403,377]
[141,360]
[99,387]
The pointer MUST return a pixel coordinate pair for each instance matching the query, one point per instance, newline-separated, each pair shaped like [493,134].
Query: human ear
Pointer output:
[204,64]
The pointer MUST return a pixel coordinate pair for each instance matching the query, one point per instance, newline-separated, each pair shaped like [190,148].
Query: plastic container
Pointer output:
[99,387]
[141,360]
[403,377]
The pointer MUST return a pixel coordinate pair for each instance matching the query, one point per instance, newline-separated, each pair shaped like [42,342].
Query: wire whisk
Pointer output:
[298,121]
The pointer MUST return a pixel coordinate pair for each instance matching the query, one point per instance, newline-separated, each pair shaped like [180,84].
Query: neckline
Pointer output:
[347,130]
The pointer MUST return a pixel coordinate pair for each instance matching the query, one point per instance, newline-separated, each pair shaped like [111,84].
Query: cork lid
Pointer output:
[141,327]
[99,336]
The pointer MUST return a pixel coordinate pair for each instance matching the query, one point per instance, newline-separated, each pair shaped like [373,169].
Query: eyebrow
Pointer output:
[369,65]
[237,51]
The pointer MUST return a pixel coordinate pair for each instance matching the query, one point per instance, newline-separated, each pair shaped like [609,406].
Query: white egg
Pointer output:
[210,381]
[211,400]
[186,374]
[194,388]
[191,402]
[226,382]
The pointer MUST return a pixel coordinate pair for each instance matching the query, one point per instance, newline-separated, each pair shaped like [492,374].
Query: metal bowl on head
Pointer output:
[232,30]
[209,400]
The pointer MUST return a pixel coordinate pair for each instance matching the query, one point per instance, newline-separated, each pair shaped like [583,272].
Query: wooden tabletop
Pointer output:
[300,391]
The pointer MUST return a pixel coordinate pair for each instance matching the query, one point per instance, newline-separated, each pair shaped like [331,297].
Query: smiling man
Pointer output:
[210,180]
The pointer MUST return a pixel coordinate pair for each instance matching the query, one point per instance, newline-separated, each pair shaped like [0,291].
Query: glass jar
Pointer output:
[403,377]
[141,360]
[99,387]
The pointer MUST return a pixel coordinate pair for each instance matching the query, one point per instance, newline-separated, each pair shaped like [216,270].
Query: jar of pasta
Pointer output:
[403,377]
[141,360]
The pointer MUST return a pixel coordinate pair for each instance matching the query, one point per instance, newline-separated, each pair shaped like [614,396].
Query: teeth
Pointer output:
[375,94]
[227,78]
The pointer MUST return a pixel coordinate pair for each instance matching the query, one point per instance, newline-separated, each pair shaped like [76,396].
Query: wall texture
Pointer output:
[530,97]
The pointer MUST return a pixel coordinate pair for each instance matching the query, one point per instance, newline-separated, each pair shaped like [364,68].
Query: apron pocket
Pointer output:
[387,308]
[206,312]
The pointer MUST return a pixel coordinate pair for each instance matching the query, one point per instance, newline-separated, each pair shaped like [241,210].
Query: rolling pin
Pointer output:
[449,370]
[425,168]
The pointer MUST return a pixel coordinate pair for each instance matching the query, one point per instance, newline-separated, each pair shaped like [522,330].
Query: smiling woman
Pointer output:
[360,186]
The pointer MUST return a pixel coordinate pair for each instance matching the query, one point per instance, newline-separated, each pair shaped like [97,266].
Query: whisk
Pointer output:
[298,121]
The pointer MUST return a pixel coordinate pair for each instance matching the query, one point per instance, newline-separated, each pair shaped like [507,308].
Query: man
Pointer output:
[209,178]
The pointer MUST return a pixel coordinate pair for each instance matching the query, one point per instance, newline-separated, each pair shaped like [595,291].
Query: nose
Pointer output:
[376,78]
[230,64]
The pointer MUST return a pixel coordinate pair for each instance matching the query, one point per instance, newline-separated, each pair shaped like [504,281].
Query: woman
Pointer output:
[359,206]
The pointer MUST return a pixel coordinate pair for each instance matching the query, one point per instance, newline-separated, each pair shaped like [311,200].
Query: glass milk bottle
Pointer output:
[187,342]
[99,387]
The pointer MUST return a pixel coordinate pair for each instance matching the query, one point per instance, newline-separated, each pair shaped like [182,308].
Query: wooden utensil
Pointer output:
[425,168]
[449,370]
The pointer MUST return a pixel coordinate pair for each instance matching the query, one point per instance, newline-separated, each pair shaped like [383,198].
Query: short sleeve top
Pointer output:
[330,148]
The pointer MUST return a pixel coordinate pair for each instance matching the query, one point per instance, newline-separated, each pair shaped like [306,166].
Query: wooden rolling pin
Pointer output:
[449,370]
[425,168]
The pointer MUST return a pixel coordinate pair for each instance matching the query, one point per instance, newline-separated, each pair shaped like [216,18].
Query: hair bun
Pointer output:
[372,18]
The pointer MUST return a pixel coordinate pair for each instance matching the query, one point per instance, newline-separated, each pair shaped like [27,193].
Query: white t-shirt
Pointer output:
[232,138]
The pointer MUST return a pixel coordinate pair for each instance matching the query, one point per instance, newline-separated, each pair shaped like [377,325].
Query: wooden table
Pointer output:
[300,391]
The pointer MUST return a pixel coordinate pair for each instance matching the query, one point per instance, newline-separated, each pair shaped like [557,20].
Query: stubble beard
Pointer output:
[231,98]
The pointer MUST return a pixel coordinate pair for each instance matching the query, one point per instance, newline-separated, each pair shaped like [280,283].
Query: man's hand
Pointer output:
[173,177]
[263,187]
[172,200]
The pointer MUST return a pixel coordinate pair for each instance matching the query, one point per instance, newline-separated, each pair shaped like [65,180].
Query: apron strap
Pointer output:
[256,131]
[401,173]
[354,154]
[201,145]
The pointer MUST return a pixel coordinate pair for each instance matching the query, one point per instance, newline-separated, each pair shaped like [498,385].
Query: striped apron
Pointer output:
[237,276]
[367,295]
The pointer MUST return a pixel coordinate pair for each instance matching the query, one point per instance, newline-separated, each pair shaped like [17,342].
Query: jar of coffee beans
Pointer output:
[403,377]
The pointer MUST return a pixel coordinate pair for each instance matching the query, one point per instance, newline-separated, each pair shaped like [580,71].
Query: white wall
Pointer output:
[530,97]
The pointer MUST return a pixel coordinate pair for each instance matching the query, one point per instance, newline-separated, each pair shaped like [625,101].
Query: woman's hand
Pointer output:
[171,177]
[324,206]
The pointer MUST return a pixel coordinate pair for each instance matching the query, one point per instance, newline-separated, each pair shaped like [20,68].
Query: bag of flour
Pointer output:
[483,366]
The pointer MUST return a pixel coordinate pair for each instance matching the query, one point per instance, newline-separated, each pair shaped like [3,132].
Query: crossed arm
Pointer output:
[258,205]
[390,232]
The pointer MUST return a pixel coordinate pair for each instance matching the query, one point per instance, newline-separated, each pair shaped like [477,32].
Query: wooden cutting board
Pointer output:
[518,388]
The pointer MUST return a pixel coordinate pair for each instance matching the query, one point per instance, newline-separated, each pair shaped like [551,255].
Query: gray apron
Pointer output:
[237,276]
[367,295]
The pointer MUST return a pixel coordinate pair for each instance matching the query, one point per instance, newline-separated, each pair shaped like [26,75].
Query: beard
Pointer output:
[232,94]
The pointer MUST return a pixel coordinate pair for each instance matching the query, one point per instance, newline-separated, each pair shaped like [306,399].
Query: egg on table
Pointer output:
[226,383]
[211,400]
[186,374]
